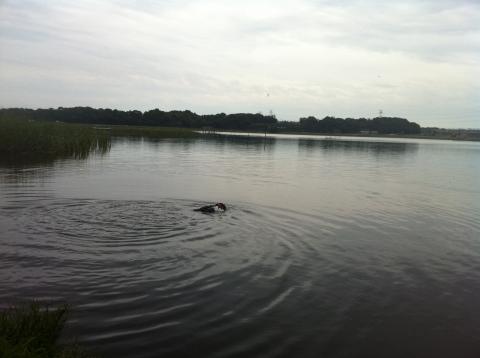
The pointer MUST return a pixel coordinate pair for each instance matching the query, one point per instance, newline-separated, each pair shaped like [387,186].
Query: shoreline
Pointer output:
[361,135]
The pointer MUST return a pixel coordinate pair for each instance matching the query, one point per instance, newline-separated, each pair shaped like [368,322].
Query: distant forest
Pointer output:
[221,121]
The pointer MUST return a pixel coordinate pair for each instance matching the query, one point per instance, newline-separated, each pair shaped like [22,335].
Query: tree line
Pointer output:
[220,121]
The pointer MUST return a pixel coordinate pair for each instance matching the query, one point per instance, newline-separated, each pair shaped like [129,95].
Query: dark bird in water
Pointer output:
[211,208]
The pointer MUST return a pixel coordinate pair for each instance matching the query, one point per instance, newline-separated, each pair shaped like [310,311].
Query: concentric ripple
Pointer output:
[155,278]
[153,271]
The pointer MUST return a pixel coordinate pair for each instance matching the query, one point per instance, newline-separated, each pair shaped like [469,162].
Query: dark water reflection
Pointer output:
[329,249]
[375,148]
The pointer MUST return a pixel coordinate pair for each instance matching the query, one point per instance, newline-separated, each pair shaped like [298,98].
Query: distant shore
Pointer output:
[365,135]
[383,127]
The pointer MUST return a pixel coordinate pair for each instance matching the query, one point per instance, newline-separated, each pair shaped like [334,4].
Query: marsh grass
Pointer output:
[32,331]
[22,140]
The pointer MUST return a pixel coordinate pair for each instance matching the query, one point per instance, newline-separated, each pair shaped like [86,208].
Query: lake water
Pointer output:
[329,247]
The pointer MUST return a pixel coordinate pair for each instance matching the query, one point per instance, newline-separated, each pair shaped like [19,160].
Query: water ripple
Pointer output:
[253,281]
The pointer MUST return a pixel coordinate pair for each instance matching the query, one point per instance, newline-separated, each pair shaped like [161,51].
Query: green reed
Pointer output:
[26,139]
[32,331]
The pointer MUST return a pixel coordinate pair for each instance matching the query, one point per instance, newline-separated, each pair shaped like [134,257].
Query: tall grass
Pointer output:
[24,139]
[32,330]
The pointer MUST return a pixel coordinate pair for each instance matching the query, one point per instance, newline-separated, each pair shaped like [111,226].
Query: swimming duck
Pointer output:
[211,208]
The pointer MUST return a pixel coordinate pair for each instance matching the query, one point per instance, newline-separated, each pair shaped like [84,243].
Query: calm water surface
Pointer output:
[330,248]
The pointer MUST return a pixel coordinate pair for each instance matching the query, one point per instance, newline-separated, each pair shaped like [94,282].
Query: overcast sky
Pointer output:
[417,59]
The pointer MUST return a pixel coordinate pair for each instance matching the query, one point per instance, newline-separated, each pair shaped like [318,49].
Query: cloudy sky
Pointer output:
[419,59]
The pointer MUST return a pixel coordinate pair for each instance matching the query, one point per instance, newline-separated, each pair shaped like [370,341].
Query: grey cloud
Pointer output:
[313,57]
